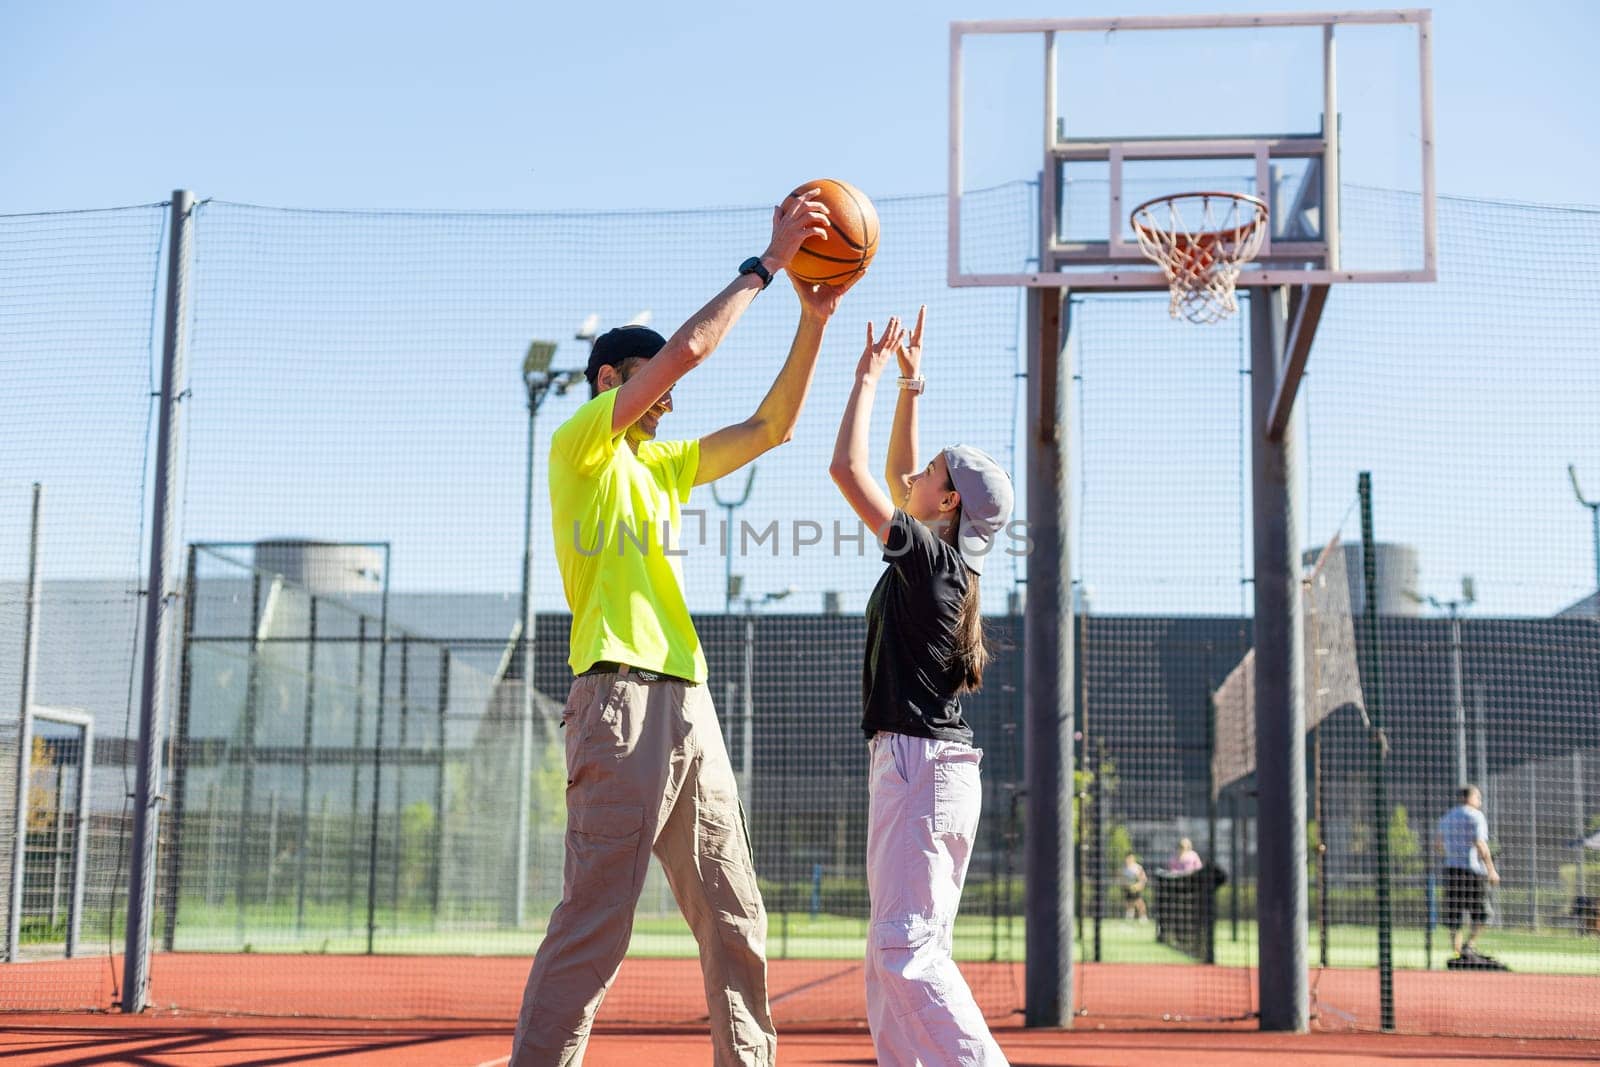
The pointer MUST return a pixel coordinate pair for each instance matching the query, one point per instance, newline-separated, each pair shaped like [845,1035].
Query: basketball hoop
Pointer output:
[1200,241]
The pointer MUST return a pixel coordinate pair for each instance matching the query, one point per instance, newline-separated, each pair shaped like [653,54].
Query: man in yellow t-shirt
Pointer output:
[646,766]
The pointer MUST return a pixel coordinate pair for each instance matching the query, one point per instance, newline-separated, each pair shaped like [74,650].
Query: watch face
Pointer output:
[753,266]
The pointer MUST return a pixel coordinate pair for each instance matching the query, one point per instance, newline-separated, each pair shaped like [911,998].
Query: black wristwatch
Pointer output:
[753,265]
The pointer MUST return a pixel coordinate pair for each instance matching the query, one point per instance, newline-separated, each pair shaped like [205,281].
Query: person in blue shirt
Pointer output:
[1463,841]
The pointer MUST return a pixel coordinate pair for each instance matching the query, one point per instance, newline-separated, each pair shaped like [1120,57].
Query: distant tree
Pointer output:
[416,846]
[1405,851]
[1360,840]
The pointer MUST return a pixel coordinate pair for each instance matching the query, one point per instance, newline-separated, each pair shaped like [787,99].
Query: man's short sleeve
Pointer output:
[910,546]
[1480,827]
[678,461]
[585,439]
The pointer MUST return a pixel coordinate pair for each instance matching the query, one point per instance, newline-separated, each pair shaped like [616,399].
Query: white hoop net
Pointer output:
[1200,240]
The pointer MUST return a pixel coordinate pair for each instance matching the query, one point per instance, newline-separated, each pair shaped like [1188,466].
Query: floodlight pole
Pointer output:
[1456,693]
[747,748]
[730,506]
[1457,689]
[537,380]
[160,594]
[730,594]
[1594,518]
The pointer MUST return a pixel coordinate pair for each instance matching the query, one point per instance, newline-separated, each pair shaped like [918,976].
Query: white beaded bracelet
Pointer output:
[914,385]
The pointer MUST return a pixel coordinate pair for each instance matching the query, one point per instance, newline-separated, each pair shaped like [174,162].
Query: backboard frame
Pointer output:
[1122,265]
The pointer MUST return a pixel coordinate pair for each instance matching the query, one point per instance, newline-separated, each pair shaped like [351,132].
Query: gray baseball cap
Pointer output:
[986,500]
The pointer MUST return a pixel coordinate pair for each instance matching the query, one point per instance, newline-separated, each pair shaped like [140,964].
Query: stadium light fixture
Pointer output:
[779,594]
[537,361]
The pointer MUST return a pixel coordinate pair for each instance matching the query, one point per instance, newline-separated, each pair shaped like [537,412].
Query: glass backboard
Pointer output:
[1060,127]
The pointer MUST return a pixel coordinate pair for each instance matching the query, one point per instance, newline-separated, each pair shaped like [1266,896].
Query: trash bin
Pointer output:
[1185,910]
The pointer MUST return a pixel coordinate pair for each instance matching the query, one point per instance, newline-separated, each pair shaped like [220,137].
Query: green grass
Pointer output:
[799,936]
[1535,951]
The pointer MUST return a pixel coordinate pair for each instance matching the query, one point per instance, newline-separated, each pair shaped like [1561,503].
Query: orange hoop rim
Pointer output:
[1204,237]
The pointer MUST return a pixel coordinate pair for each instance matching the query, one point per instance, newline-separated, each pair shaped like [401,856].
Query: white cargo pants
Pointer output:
[925,799]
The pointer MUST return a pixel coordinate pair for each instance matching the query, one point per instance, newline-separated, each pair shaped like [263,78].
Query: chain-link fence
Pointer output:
[347,741]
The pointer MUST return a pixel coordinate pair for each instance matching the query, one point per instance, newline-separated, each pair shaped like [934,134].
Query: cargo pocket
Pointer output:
[593,733]
[603,846]
[957,791]
[615,730]
[909,953]
[571,721]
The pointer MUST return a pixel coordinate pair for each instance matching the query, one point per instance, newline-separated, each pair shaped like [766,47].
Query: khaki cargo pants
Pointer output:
[647,771]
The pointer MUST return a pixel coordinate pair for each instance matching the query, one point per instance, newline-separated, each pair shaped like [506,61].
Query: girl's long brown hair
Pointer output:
[971,653]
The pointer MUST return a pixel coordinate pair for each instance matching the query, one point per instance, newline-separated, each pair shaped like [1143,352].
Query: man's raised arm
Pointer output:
[728,449]
[697,338]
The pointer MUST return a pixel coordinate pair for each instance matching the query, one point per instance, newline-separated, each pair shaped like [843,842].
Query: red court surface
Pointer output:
[206,1042]
[264,1010]
[668,992]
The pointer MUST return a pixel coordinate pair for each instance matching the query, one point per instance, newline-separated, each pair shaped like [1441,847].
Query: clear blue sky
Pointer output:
[629,105]
[634,107]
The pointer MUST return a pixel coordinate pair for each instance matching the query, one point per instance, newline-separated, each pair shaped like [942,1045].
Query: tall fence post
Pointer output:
[377,761]
[440,793]
[1373,686]
[1211,809]
[1579,824]
[242,864]
[1097,836]
[157,620]
[180,762]
[30,662]
[307,739]
[1533,844]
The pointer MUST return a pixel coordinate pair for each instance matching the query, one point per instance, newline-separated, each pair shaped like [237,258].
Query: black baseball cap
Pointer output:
[621,343]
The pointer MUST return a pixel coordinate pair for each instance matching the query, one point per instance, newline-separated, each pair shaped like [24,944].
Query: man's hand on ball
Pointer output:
[794,222]
[820,298]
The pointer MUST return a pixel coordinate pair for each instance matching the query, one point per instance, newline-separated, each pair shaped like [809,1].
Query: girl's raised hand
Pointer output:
[876,355]
[910,353]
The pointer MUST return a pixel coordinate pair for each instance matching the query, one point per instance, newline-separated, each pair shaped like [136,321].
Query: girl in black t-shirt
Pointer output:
[924,649]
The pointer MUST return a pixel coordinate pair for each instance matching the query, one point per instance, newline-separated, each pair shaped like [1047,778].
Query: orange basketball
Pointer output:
[852,239]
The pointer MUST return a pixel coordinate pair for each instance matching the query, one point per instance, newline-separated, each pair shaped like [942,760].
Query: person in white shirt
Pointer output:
[1463,841]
